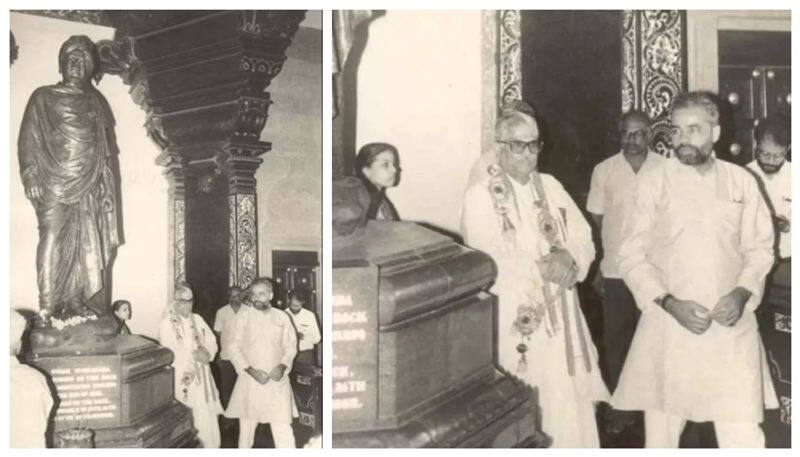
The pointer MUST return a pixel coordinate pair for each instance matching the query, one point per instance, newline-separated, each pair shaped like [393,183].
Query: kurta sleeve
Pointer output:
[238,359]
[288,341]
[209,340]
[218,321]
[757,243]
[166,336]
[46,397]
[640,274]
[478,221]
[596,201]
[313,336]
[579,234]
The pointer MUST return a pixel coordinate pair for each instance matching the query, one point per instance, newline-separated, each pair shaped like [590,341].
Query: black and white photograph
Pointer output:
[165,229]
[561,229]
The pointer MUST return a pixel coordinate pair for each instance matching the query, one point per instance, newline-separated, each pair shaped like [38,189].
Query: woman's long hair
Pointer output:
[365,157]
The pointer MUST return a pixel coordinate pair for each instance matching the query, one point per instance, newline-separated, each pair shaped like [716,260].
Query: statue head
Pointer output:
[77,60]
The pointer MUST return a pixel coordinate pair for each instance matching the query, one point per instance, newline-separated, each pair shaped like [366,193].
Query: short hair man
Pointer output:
[263,350]
[695,251]
[773,141]
[611,197]
[224,327]
[31,399]
[305,323]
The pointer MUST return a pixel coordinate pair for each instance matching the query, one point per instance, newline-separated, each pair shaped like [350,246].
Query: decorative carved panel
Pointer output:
[244,245]
[510,73]
[178,240]
[653,67]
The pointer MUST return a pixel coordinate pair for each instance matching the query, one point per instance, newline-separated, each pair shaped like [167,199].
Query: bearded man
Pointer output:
[695,251]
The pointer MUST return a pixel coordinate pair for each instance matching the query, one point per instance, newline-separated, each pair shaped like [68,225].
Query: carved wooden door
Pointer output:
[754,83]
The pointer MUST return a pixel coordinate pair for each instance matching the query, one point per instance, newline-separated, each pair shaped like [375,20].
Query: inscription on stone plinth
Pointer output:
[88,390]
[355,348]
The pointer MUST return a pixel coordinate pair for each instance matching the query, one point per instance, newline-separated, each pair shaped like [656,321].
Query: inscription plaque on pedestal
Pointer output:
[355,332]
[121,389]
[89,392]
[413,345]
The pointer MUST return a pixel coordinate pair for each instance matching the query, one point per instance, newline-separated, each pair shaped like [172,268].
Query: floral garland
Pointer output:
[530,312]
[188,376]
[71,322]
[502,198]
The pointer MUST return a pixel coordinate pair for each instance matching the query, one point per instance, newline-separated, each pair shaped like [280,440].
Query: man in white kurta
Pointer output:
[263,350]
[695,253]
[31,399]
[774,172]
[542,334]
[305,324]
[194,346]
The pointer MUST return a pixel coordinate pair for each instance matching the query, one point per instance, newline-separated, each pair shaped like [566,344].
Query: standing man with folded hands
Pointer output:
[263,350]
[695,252]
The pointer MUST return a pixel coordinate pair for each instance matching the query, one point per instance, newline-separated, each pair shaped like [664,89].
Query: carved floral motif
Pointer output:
[653,66]
[243,253]
[510,65]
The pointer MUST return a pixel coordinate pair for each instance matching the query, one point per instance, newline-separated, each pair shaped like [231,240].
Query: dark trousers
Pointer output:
[227,378]
[620,316]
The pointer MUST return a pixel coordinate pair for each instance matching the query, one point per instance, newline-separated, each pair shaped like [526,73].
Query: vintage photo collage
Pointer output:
[399,228]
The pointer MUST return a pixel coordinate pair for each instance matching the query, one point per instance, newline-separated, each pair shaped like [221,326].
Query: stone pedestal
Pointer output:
[121,388]
[414,345]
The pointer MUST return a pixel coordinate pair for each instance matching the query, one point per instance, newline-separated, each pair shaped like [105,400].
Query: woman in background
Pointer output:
[378,166]
[122,310]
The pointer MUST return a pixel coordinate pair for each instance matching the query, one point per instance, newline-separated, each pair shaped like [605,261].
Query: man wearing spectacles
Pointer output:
[542,246]
[773,141]
[611,195]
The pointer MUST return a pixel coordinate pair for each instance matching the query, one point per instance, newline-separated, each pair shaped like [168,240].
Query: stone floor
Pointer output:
[230,434]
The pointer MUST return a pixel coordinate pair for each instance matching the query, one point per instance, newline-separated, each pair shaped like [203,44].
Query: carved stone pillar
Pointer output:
[176,216]
[653,67]
[242,163]
[201,77]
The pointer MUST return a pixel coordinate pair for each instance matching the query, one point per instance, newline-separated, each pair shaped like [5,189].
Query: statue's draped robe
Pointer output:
[66,145]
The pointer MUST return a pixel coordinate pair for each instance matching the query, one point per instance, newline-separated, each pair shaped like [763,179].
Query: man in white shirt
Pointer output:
[31,399]
[611,197]
[263,351]
[305,323]
[773,141]
[224,327]
[695,252]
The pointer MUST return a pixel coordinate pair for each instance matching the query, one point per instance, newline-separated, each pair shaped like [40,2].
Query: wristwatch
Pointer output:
[662,300]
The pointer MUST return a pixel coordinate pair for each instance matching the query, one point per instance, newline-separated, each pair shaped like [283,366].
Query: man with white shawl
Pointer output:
[194,345]
[695,252]
[542,246]
[263,349]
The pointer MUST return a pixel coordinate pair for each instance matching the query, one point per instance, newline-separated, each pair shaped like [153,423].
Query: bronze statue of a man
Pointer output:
[67,149]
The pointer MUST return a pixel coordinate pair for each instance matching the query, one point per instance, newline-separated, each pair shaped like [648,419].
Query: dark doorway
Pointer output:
[572,74]
[292,270]
[754,83]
